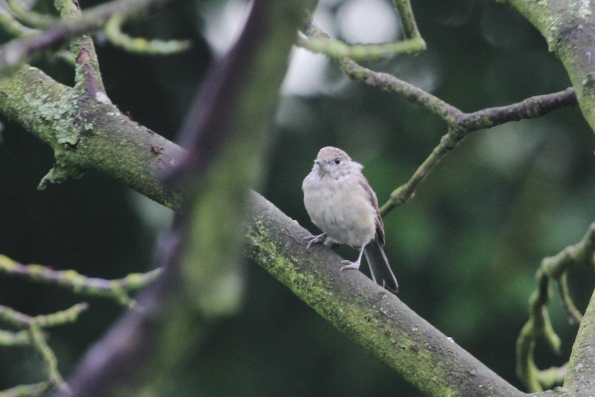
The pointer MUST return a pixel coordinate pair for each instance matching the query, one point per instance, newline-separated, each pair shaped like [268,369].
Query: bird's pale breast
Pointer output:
[341,208]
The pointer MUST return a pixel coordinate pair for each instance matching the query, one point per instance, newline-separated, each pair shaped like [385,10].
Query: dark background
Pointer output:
[465,249]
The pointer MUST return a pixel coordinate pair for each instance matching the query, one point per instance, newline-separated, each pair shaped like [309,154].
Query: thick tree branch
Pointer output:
[581,365]
[371,316]
[89,135]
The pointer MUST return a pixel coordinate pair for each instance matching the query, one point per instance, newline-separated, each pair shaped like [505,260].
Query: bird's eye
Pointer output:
[337,161]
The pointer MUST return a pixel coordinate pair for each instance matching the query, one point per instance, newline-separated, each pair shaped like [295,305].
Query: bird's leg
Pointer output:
[315,239]
[356,264]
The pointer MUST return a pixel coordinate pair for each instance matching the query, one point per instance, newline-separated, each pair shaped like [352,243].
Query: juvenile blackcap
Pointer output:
[342,204]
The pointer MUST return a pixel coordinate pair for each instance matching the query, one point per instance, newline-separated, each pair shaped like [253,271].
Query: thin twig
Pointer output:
[48,357]
[318,42]
[20,50]
[19,338]
[407,18]
[88,78]
[459,124]
[336,48]
[115,289]
[33,325]
[28,17]
[11,26]
[139,45]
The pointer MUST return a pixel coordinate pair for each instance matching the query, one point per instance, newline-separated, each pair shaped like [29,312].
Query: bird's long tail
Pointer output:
[379,267]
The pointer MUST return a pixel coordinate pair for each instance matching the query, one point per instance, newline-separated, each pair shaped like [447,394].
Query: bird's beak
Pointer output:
[318,162]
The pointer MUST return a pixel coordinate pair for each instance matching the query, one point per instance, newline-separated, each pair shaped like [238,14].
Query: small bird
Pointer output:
[342,204]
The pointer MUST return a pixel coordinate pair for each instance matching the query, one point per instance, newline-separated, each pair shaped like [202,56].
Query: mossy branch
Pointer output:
[16,52]
[581,365]
[552,269]
[19,338]
[369,315]
[87,78]
[114,289]
[412,44]
[140,45]
[90,135]
[33,325]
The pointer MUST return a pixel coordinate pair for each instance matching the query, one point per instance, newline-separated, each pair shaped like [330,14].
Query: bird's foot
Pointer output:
[350,265]
[315,239]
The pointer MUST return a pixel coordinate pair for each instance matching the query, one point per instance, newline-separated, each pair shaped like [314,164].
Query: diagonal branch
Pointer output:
[461,124]
[369,315]
[90,135]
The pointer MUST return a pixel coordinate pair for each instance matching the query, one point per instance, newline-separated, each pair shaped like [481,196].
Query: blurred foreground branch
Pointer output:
[202,279]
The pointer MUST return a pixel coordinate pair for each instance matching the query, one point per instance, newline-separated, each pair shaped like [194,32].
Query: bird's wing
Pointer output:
[372,196]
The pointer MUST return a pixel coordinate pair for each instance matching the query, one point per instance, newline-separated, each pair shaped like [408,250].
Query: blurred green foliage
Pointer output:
[465,248]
